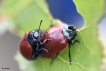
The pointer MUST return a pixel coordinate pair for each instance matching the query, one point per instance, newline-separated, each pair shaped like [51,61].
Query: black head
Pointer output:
[34,35]
[33,40]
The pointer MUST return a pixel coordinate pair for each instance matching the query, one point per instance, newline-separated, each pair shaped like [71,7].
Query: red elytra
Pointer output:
[58,42]
[25,48]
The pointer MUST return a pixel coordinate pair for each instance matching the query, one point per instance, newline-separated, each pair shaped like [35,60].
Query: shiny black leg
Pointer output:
[46,40]
[76,41]
[69,46]
[53,58]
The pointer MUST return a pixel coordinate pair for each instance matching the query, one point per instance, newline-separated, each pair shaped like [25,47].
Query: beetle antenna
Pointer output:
[40,24]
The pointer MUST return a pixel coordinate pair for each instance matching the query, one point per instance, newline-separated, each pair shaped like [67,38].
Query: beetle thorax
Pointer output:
[33,37]
[69,33]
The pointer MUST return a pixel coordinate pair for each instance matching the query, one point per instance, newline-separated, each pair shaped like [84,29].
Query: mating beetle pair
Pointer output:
[49,42]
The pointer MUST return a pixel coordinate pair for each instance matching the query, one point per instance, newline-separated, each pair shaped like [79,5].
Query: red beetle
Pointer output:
[61,35]
[30,45]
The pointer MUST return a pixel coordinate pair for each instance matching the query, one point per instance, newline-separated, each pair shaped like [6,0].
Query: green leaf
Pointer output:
[86,56]
[26,14]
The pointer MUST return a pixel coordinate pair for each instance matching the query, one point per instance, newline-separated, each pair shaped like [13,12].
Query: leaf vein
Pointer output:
[85,43]
[73,63]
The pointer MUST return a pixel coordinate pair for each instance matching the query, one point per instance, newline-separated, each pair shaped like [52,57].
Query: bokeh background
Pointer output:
[64,10]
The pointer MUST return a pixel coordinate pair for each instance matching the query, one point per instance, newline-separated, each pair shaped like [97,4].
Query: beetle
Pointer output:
[61,35]
[30,45]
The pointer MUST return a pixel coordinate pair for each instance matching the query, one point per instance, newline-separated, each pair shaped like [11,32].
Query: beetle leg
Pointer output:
[39,49]
[46,40]
[42,49]
[54,58]
[76,41]
[69,46]
[45,50]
